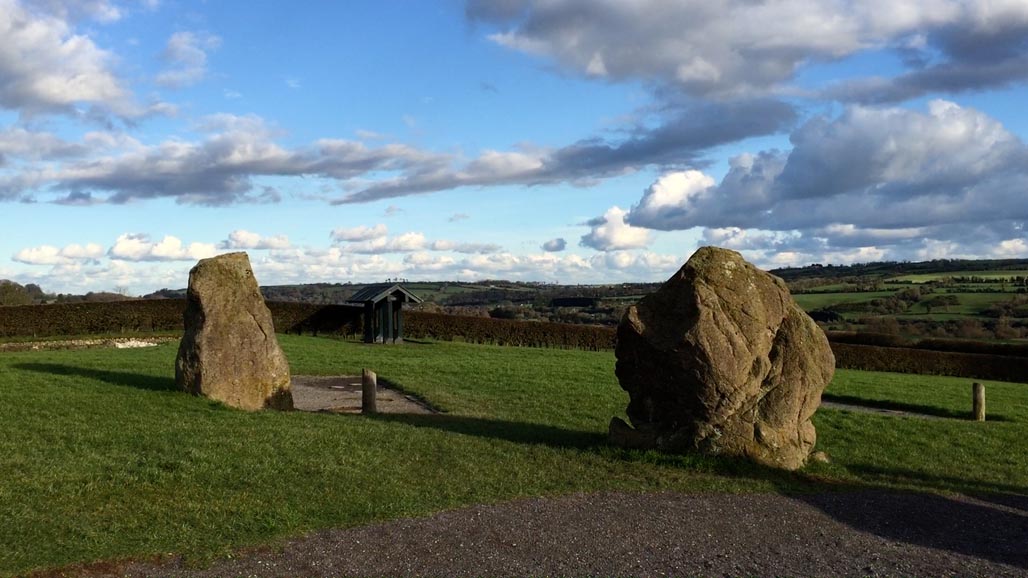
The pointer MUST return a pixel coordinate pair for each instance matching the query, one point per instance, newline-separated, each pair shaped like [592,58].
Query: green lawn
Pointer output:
[102,458]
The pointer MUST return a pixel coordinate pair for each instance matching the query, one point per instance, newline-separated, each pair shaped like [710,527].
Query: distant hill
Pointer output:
[885,269]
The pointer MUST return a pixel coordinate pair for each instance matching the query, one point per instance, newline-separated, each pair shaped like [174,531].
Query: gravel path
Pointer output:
[868,533]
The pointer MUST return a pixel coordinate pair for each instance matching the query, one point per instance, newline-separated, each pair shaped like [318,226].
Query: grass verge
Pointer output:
[102,458]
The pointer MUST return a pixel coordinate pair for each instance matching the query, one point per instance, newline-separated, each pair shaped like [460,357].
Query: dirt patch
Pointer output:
[342,394]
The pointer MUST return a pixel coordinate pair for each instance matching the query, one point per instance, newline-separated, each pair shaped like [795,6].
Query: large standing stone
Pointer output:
[229,351]
[721,360]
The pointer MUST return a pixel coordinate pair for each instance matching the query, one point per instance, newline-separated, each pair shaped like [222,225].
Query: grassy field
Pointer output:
[811,301]
[926,277]
[102,458]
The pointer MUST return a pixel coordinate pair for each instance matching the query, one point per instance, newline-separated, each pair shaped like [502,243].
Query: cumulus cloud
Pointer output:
[361,233]
[46,67]
[611,233]
[405,243]
[870,168]
[738,47]
[980,45]
[645,265]
[555,245]
[139,247]
[459,217]
[186,56]
[872,183]
[243,239]
[50,255]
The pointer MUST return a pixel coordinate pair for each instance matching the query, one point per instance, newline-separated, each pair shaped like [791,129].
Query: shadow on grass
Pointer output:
[937,482]
[907,407]
[136,380]
[518,432]
[594,442]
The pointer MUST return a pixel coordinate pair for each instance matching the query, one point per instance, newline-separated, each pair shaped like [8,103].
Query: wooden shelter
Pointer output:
[383,311]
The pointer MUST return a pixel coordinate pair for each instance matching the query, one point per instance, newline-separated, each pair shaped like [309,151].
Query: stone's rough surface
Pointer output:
[229,351]
[721,360]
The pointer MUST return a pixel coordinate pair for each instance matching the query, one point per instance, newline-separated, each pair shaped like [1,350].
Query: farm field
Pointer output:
[927,277]
[108,460]
[811,301]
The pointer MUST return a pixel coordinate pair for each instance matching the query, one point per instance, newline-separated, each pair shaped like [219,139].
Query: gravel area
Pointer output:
[342,394]
[867,533]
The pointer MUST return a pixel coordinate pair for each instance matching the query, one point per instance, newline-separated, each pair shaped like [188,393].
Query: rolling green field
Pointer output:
[102,458]
[811,301]
[926,277]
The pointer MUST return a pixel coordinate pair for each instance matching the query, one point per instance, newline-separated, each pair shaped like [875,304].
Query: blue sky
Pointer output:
[576,141]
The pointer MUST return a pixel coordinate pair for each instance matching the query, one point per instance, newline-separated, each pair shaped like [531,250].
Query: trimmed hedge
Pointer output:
[316,318]
[931,344]
[927,362]
[872,352]
[91,318]
[507,332]
[161,315]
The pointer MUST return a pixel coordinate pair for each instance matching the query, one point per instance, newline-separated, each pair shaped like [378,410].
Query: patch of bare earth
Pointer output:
[342,394]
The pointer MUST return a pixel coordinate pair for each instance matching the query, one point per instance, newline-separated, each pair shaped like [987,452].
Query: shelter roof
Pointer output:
[379,291]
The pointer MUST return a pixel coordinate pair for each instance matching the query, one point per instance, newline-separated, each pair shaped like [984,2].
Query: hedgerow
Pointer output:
[874,352]
[507,332]
[927,362]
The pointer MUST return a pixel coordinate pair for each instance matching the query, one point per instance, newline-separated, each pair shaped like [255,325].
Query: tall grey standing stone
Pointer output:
[229,351]
[721,360]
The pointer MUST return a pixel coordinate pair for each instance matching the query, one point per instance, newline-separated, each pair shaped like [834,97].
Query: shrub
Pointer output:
[160,315]
[923,361]
[508,332]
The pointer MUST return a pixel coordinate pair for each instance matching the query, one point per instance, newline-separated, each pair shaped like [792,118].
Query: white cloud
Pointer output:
[50,255]
[872,183]
[611,233]
[1011,249]
[242,239]
[139,247]
[731,48]
[186,55]
[361,233]
[45,66]
[671,192]
[644,265]
[405,243]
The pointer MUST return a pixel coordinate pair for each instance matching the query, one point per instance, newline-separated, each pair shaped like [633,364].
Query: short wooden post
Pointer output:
[369,387]
[978,401]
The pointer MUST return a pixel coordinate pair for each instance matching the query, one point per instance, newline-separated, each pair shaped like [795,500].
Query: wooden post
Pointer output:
[978,401]
[369,387]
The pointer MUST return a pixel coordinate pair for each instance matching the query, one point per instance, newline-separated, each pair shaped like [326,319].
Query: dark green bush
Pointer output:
[160,315]
[508,332]
[926,362]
